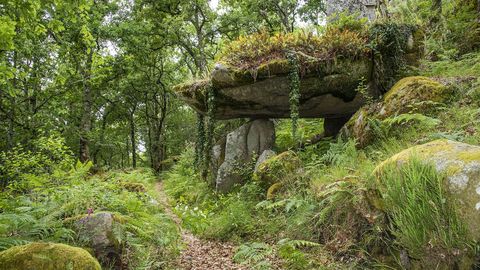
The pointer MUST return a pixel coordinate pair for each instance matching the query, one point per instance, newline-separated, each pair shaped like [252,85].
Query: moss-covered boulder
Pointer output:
[278,169]
[411,94]
[460,163]
[47,256]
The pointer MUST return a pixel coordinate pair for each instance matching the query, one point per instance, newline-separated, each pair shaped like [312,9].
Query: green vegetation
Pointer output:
[40,205]
[424,220]
[91,128]
[249,53]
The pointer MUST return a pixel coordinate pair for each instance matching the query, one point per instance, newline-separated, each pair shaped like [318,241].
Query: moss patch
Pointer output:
[134,187]
[47,256]
[409,95]
[277,169]
[411,90]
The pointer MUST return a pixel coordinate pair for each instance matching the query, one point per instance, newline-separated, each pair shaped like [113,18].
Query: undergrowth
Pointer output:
[43,211]
[424,219]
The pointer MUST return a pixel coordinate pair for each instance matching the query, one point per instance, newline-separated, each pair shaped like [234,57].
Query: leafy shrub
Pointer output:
[347,21]
[22,168]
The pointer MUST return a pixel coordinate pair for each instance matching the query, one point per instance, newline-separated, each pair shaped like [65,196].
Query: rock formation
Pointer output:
[327,91]
[333,81]
[460,163]
[97,229]
[365,8]
[418,94]
[242,146]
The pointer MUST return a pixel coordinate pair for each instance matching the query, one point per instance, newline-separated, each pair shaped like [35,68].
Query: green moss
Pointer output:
[134,187]
[277,169]
[273,190]
[432,149]
[47,256]
[411,90]
[273,67]
[411,94]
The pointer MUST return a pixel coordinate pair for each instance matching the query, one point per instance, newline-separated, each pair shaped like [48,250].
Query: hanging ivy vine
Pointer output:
[294,97]
[200,143]
[205,133]
[211,107]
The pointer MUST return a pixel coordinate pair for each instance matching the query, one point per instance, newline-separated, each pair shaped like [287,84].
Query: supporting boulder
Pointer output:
[242,147]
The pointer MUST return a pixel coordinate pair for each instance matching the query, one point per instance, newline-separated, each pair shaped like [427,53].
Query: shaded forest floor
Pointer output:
[199,253]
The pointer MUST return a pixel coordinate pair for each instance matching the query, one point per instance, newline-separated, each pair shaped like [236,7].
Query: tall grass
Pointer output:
[424,219]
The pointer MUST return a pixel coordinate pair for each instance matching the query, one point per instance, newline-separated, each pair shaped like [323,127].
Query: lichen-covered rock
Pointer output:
[366,8]
[218,157]
[98,231]
[419,94]
[460,163]
[278,169]
[242,146]
[47,256]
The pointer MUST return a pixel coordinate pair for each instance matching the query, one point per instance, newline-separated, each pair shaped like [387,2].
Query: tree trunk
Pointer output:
[127,146]
[149,129]
[101,139]
[86,121]
[132,139]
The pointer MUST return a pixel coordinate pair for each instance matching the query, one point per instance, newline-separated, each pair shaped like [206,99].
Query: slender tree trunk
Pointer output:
[158,136]
[128,150]
[149,129]
[132,139]
[101,139]
[86,121]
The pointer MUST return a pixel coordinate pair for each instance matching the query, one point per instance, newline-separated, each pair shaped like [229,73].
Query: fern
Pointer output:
[408,118]
[255,255]
[289,250]
[297,243]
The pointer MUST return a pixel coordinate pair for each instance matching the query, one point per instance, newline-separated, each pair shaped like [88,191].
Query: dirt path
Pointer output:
[199,254]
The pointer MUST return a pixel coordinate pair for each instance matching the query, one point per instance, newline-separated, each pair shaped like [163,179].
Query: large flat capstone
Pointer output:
[328,89]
